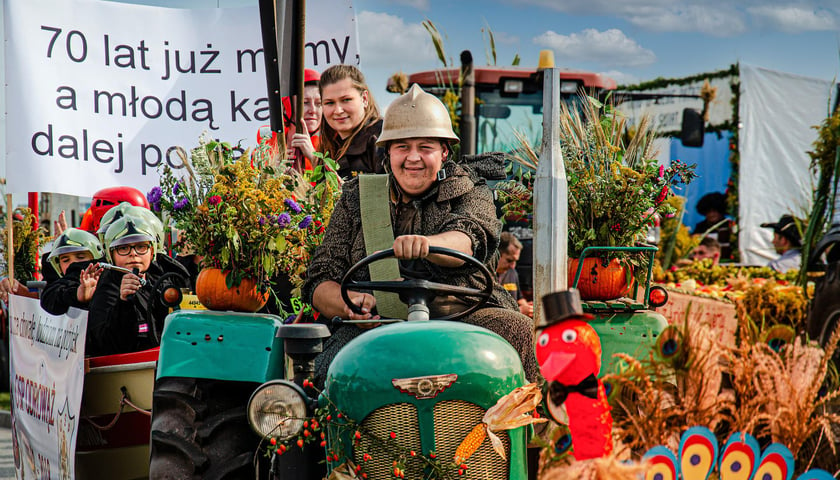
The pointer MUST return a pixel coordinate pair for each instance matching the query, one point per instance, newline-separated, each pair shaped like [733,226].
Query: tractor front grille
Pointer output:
[453,420]
[400,418]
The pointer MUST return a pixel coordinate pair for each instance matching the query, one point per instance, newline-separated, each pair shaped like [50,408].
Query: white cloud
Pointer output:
[792,19]
[622,78]
[387,41]
[716,20]
[719,18]
[418,4]
[611,47]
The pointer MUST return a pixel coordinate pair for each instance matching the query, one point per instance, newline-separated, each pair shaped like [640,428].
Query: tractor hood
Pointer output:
[423,363]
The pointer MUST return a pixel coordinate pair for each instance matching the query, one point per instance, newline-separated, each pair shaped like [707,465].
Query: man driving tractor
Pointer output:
[433,201]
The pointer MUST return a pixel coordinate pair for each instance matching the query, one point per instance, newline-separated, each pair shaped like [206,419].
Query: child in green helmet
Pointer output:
[125,313]
[74,259]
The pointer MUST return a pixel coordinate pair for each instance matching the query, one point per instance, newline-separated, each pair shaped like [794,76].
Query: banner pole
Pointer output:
[10,248]
[300,45]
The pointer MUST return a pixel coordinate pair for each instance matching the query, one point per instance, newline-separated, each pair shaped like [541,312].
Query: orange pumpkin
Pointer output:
[212,291]
[599,279]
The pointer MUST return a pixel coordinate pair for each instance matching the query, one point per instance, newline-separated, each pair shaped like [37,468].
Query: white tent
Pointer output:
[778,112]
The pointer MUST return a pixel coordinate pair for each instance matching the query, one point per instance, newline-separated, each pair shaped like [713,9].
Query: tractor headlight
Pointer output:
[277,409]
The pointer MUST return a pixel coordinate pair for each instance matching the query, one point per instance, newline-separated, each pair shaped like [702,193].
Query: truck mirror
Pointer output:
[692,130]
[494,111]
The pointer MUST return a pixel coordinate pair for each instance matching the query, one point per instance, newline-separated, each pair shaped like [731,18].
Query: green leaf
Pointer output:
[281,243]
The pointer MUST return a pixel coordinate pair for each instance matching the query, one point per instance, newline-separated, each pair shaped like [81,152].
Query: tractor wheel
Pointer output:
[200,430]
[824,314]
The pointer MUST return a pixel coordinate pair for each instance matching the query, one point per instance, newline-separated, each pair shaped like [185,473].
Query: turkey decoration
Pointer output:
[569,354]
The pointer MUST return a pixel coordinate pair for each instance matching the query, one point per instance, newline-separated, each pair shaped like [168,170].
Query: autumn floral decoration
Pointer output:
[245,216]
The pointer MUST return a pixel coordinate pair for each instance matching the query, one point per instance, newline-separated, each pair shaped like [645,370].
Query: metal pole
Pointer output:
[272,68]
[300,45]
[467,129]
[33,206]
[551,203]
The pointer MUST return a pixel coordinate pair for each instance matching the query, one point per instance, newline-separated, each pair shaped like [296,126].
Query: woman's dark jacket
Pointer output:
[362,156]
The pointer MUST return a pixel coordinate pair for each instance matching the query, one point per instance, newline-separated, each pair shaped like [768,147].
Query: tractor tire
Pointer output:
[200,430]
[824,313]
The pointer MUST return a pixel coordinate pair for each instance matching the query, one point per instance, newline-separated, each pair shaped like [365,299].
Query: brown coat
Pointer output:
[461,202]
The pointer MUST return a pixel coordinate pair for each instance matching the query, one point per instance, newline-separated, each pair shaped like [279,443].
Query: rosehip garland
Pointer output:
[339,425]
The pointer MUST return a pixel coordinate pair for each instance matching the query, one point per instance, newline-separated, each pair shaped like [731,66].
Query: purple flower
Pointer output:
[307,220]
[293,206]
[214,200]
[262,221]
[176,188]
[180,204]
[154,195]
[283,220]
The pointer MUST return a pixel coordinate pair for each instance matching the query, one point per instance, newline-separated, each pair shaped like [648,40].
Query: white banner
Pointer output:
[47,376]
[101,93]
[667,112]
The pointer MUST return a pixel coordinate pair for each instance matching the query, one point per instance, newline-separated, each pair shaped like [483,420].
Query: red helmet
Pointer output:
[107,198]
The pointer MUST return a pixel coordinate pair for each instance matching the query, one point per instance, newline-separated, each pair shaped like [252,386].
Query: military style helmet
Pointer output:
[417,114]
[74,240]
[130,229]
[127,209]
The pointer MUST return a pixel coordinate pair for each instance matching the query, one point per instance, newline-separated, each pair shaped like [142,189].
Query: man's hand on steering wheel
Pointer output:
[408,247]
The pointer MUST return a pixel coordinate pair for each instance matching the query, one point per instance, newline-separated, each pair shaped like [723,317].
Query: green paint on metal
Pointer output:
[221,345]
[631,333]
[360,377]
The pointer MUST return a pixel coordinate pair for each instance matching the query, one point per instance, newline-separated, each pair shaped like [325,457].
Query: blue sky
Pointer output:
[629,40]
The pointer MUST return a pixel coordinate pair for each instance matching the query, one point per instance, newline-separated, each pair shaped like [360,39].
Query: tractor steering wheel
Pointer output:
[414,291]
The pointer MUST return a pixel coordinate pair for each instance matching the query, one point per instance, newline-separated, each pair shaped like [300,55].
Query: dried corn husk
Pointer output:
[345,471]
[511,411]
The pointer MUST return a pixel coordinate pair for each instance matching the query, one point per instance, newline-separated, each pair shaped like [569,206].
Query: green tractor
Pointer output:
[429,382]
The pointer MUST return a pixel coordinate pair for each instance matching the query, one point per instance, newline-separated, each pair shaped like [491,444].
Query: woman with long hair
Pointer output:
[352,122]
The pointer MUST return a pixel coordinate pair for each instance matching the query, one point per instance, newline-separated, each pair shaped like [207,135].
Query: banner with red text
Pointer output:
[47,376]
[101,94]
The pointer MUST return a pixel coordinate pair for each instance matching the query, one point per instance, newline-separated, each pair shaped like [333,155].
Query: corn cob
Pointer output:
[471,443]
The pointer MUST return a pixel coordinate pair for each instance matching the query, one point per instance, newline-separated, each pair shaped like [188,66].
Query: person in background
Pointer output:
[708,248]
[509,249]
[125,314]
[716,225]
[74,257]
[352,122]
[307,139]
[787,242]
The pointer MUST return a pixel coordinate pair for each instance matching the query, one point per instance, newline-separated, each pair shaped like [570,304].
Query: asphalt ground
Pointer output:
[7,454]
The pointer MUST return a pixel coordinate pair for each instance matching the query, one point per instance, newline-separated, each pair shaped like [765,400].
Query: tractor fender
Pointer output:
[221,345]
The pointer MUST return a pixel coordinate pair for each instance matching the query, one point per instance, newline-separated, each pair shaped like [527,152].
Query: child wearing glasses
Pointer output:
[125,314]
[74,258]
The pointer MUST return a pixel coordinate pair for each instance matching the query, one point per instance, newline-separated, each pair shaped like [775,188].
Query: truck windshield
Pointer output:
[499,119]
